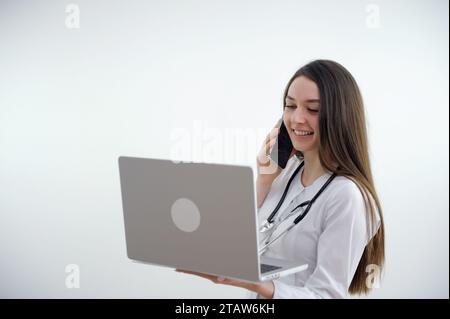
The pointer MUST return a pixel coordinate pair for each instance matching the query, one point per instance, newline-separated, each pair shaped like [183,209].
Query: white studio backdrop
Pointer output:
[83,82]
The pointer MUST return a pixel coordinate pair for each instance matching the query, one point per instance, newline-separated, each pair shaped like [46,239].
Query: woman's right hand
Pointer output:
[268,170]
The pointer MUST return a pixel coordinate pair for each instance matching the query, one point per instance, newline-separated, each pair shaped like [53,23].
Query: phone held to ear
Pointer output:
[282,148]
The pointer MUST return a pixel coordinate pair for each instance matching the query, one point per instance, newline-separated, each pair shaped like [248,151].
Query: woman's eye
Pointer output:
[295,106]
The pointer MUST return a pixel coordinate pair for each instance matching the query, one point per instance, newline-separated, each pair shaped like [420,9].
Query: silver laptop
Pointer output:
[195,216]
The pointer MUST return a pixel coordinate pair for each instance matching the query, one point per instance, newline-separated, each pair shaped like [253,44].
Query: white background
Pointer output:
[73,99]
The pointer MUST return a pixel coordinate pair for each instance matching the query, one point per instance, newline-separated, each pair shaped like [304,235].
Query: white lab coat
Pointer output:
[330,239]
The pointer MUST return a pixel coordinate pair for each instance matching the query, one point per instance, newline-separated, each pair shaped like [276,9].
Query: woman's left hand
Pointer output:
[265,289]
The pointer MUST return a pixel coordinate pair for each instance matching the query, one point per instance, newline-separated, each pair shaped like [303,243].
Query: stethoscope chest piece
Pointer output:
[266,226]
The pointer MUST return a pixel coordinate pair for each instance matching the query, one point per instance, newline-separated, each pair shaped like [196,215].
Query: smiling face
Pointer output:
[301,114]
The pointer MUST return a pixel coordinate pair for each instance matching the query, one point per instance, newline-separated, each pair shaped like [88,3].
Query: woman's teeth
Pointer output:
[302,133]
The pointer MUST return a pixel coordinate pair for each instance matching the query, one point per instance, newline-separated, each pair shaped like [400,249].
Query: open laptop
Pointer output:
[195,216]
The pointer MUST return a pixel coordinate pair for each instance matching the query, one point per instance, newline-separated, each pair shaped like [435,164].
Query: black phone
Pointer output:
[282,148]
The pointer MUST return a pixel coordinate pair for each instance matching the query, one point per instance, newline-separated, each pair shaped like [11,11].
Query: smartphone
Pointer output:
[282,148]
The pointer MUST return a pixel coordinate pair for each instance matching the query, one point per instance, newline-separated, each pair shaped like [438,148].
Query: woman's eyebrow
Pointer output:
[307,101]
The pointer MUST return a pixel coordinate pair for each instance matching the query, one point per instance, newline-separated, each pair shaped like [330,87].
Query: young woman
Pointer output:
[341,237]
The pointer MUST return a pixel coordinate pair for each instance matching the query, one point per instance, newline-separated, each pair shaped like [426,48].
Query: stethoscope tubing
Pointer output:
[268,224]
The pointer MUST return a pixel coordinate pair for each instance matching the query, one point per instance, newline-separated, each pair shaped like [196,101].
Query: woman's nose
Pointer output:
[299,115]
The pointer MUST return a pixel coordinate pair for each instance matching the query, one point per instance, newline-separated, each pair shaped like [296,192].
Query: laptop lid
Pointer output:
[193,216]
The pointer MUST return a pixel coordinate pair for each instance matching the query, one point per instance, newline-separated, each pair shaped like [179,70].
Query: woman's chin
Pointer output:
[302,148]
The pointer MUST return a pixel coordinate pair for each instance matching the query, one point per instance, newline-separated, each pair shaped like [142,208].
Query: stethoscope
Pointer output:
[269,225]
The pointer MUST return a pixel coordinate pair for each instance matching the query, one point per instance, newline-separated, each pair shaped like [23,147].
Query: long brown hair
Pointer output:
[343,149]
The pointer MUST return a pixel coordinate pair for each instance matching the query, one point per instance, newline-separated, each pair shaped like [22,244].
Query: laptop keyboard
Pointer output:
[266,268]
